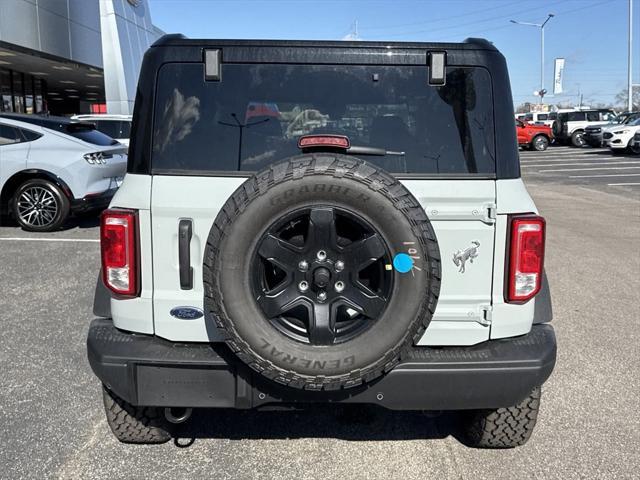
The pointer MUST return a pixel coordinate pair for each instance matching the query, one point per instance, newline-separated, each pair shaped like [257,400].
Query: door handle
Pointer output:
[185,232]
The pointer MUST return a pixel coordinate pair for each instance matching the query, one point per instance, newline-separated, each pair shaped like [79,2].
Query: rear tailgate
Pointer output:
[461,211]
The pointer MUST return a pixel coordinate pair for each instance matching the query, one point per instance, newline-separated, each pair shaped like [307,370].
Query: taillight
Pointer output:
[118,234]
[526,257]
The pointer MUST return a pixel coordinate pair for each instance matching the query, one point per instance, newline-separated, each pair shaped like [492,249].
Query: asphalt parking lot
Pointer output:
[594,167]
[589,427]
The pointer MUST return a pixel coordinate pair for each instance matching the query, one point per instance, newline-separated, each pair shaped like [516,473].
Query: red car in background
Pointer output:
[533,136]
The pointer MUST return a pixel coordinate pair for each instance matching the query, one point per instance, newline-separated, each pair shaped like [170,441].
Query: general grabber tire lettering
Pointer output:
[131,424]
[505,427]
[338,197]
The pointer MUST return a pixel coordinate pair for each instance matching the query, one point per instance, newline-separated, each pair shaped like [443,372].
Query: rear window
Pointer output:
[9,135]
[255,115]
[109,127]
[114,128]
[88,133]
[576,116]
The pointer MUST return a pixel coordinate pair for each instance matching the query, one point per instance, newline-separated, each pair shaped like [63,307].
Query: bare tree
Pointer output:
[622,97]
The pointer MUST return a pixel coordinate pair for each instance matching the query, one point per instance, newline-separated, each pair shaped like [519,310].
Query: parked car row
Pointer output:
[52,167]
[579,128]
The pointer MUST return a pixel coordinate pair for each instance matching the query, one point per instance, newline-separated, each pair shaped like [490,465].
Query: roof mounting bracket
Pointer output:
[212,65]
[437,68]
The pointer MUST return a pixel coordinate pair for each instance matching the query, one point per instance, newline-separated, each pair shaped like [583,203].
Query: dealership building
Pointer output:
[72,56]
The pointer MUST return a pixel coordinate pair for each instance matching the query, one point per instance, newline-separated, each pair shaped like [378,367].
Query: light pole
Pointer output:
[630,60]
[542,91]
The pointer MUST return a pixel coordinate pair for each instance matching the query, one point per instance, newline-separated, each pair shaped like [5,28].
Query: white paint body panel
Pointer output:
[136,314]
[458,212]
[509,319]
[173,199]
[458,209]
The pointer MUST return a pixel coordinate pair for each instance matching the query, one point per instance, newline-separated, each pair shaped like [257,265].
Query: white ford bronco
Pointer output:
[307,222]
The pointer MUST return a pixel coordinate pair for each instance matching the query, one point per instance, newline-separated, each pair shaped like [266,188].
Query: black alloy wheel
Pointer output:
[322,275]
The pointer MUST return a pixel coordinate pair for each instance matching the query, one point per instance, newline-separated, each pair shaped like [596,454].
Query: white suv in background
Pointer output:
[619,138]
[116,126]
[570,126]
[51,167]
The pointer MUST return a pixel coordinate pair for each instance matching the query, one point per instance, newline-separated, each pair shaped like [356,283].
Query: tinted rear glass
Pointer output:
[9,135]
[576,116]
[29,136]
[125,129]
[109,127]
[255,115]
[88,134]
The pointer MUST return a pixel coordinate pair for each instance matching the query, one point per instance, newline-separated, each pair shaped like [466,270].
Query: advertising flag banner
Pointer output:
[558,74]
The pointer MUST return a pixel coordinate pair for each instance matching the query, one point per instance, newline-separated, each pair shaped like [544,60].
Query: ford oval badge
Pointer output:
[186,313]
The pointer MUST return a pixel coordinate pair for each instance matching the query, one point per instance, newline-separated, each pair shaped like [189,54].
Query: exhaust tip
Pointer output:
[177,414]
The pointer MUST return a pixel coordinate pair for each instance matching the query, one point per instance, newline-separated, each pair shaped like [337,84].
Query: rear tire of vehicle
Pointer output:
[131,424]
[337,183]
[556,128]
[577,139]
[504,427]
[39,205]
[540,143]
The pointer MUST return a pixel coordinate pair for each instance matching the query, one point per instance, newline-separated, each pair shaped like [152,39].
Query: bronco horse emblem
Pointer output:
[461,256]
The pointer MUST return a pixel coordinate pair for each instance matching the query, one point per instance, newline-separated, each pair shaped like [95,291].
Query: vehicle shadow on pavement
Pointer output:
[344,422]
[87,220]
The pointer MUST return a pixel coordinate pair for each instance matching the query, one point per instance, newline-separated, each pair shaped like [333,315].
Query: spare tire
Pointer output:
[322,270]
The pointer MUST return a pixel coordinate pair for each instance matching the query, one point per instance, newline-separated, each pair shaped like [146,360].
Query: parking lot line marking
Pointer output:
[587,169]
[610,175]
[556,153]
[573,159]
[621,184]
[29,239]
[574,164]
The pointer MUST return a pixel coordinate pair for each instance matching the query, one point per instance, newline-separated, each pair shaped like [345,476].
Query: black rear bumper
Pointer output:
[147,370]
[92,202]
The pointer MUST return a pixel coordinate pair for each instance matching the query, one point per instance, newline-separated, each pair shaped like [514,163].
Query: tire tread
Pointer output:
[504,427]
[338,166]
[132,424]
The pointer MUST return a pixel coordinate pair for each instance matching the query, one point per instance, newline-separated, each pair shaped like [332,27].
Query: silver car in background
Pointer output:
[51,167]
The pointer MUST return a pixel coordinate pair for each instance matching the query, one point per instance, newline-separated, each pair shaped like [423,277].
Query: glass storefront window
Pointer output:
[38,87]
[28,94]
[6,104]
[18,93]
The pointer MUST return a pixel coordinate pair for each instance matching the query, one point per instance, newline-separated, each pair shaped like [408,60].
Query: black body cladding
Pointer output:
[471,53]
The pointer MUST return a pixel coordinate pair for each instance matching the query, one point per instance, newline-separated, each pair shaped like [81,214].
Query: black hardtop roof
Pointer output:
[179,40]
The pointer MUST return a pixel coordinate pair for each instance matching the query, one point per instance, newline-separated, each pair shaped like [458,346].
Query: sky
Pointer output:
[592,35]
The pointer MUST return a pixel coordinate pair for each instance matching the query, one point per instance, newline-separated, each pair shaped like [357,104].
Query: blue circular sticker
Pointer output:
[403,263]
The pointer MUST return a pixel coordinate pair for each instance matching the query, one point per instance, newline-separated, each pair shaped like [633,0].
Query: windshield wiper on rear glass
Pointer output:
[374,151]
